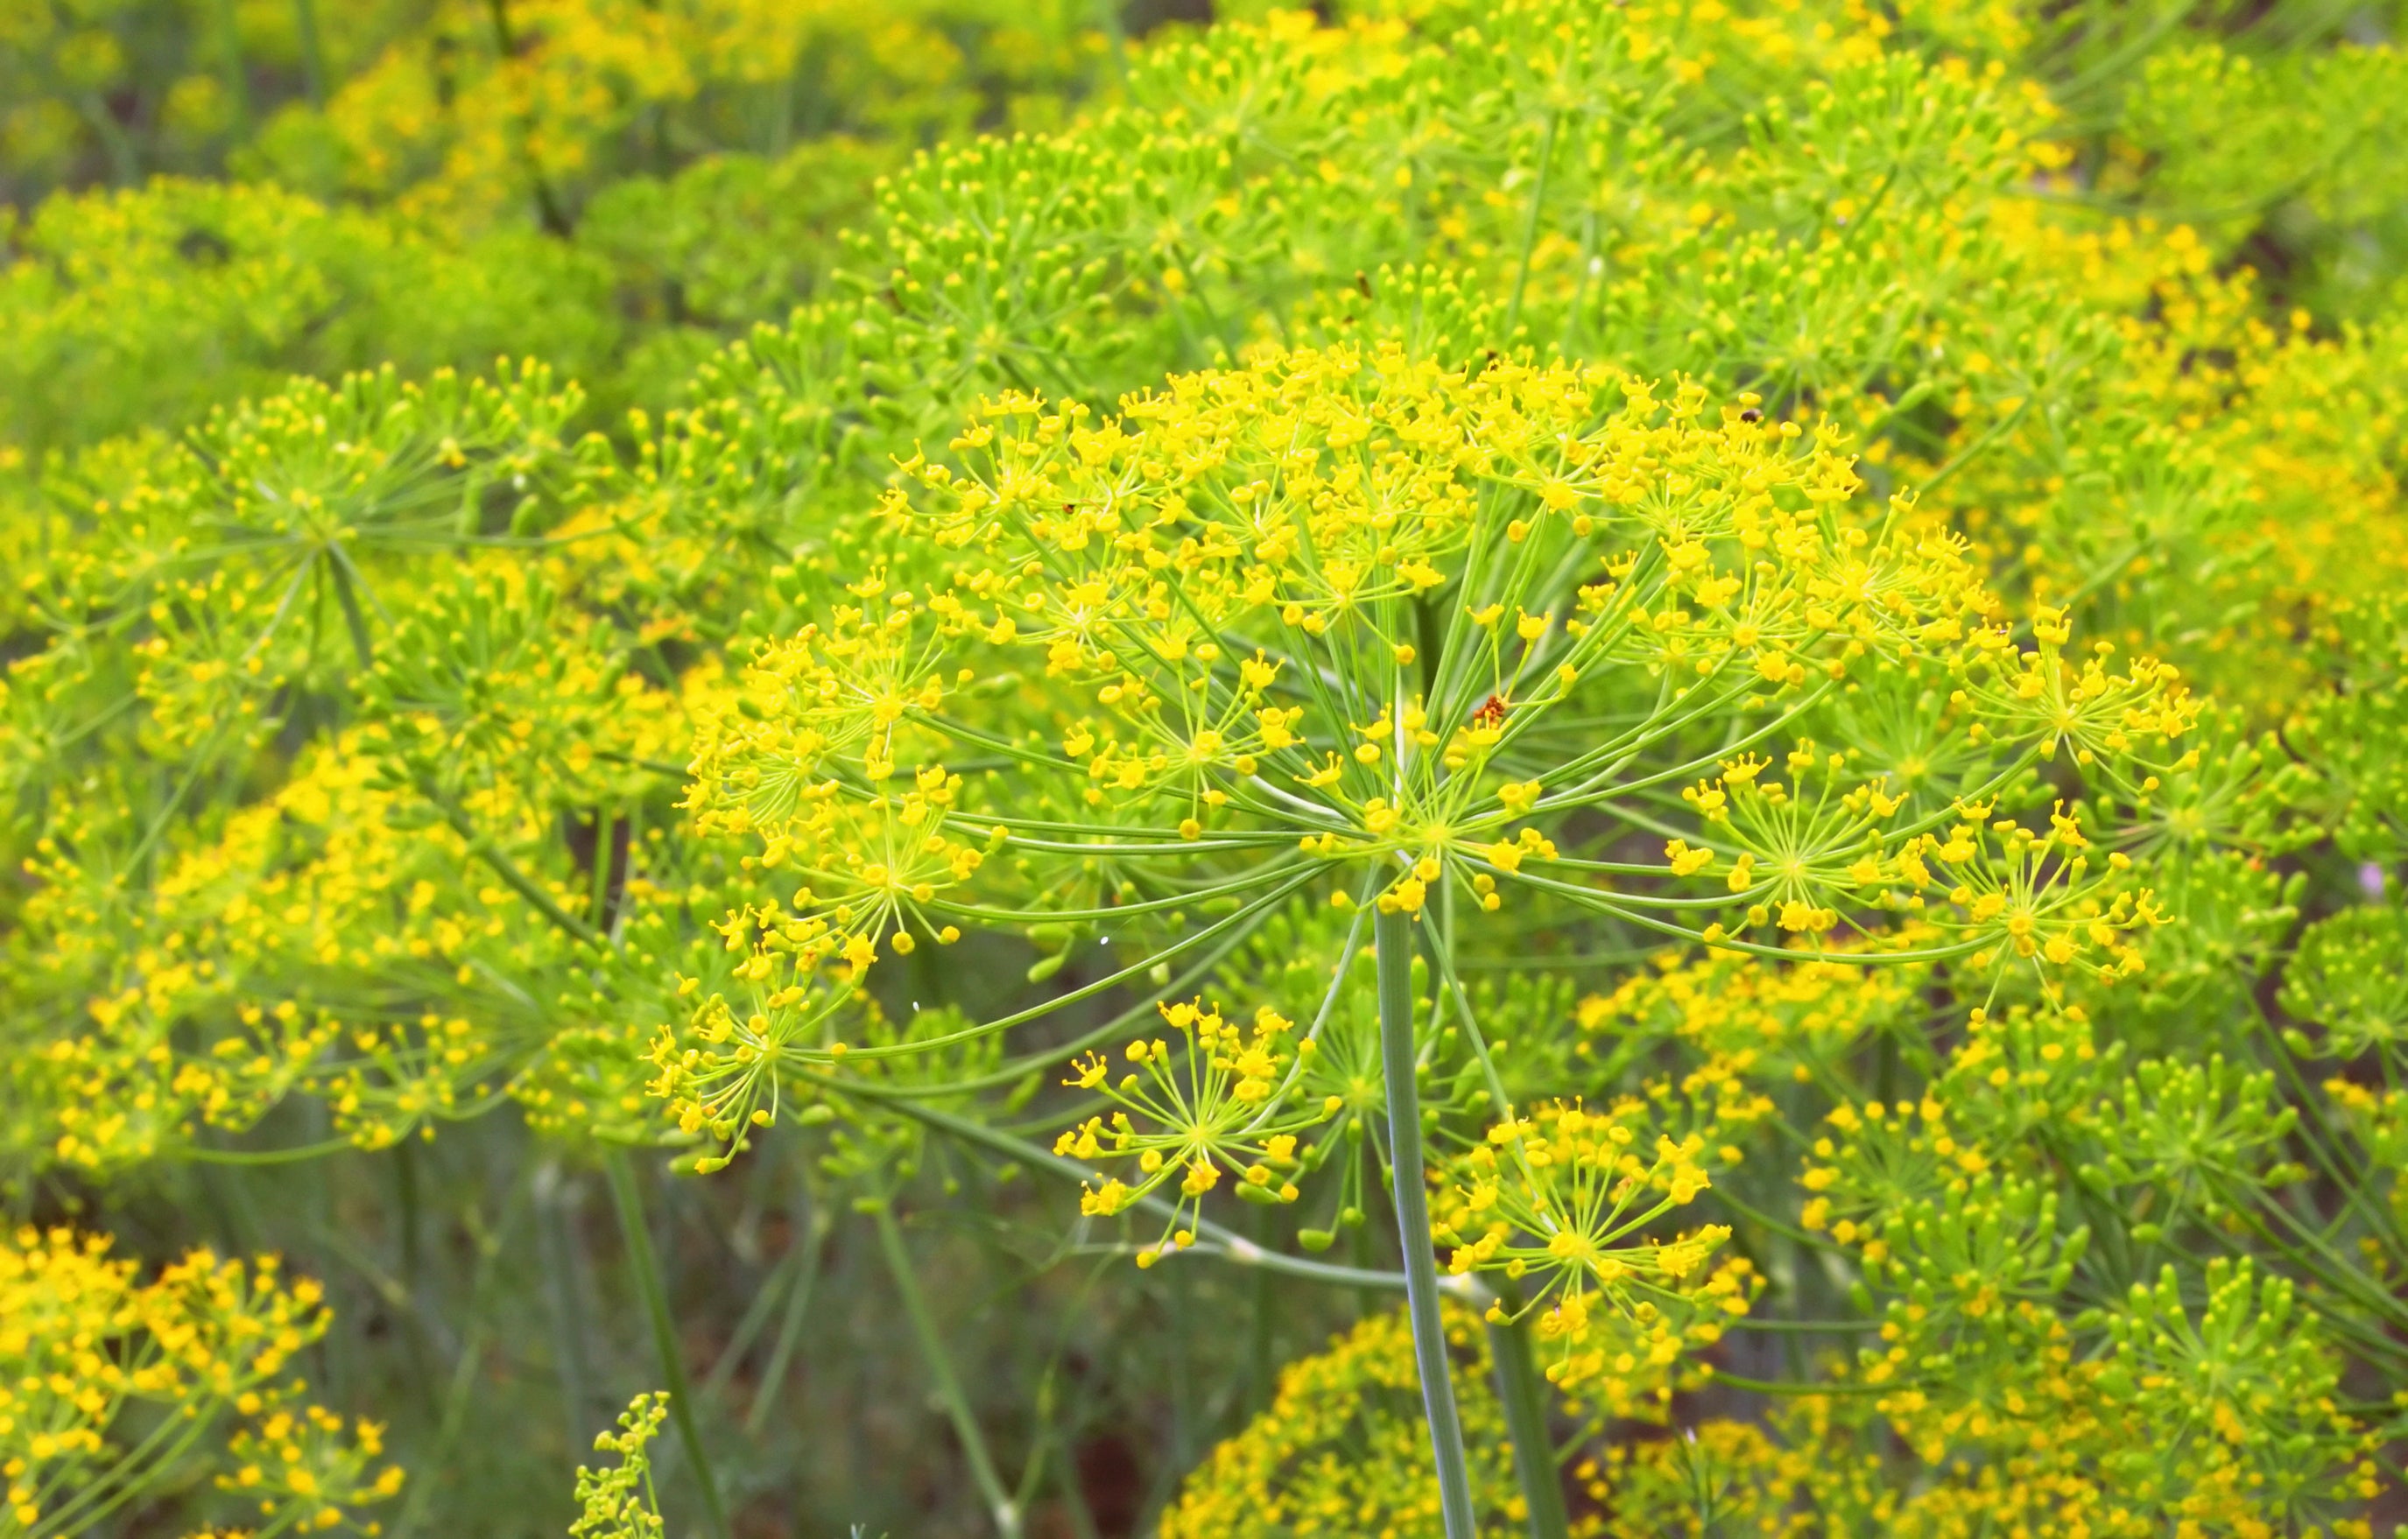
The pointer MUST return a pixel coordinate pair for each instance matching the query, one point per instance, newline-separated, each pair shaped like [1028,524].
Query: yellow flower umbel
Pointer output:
[84,1343]
[1350,618]
[1412,633]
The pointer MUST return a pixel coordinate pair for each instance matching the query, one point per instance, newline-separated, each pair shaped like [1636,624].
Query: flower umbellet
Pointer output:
[1570,1199]
[1208,1101]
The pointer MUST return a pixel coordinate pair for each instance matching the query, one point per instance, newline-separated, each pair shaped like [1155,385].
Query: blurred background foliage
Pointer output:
[310,188]
[2120,286]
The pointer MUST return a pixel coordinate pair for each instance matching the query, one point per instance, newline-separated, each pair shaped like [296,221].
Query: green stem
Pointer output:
[313,54]
[1108,16]
[1260,1360]
[124,165]
[1368,1299]
[790,1330]
[555,1204]
[1964,456]
[456,1398]
[780,134]
[647,1270]
[202,1155]
[1213,1239]
[1531,223]
[1181,1350]
[782,1283]
[599,896]
[1523,1393]
[492,1245]
[1074,1495]
[1779,1387]
[419,1336]
[941,1368]
[548,209]
[518,882]
[129,1477]
[1392,936]
[238,75]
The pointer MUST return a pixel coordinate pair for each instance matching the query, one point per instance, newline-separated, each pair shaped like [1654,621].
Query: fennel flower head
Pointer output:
[1361,628]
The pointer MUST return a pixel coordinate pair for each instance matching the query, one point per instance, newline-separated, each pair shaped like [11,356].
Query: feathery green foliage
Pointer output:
[1685,716]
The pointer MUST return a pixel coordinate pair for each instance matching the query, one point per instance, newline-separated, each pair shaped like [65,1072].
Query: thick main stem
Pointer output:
[1392,936]
[941,1368]
[647,1268]
[1525,1397]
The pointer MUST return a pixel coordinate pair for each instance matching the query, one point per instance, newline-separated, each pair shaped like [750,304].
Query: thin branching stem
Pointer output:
[646,1268]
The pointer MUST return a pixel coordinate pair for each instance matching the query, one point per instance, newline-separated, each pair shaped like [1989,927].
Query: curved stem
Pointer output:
[941,1367]
[498,861]
[1392,938]
[647,1268]
[1213,1239]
